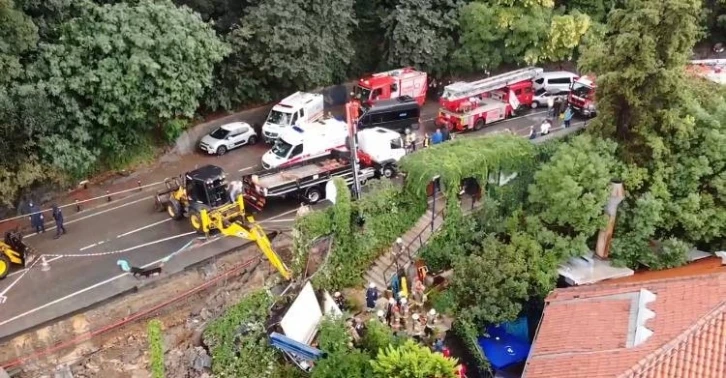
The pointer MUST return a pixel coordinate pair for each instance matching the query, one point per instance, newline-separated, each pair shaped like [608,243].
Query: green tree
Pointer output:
[412,360]
[18,36]
[284,46]
[569,194]
[420,33]
[119,70]
[491,284]
[516,31]
[377,337]
[340,360]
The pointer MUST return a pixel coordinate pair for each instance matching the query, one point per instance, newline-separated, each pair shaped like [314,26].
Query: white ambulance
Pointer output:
[306,141]
[297,108]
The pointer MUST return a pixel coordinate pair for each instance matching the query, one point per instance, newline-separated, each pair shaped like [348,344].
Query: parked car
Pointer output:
[227,137]
[555,80]
[397,114]
[541,96]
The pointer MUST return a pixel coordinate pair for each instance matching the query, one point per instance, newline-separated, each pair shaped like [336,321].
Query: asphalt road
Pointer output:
[84,261]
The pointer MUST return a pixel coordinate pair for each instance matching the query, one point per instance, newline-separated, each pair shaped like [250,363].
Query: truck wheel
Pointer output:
[4,266]
[535,105]
[221,150]
[313,195]
[389,172]
[174,209]
[195,218]
[479,125]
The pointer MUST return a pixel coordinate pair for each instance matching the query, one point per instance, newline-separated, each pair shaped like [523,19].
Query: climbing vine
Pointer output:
[156,349]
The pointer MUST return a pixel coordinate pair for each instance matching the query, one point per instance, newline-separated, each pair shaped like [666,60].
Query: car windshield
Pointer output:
[279,118]
[581,90]
[362,93]
[281,148]
[220,133]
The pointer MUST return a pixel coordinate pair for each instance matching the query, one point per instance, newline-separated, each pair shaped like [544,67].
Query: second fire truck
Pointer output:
[392,84]
[470,106]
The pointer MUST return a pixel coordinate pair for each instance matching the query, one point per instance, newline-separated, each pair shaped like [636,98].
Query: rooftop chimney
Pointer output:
[617,194]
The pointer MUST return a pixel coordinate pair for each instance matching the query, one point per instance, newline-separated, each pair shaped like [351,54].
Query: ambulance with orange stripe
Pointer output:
[306,141]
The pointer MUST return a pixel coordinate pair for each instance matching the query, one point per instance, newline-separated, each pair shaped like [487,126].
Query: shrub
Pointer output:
[156,349]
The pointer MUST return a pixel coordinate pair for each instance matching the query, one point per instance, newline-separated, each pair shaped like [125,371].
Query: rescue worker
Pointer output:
[558,106]
[410,140]
[544,129]
[371,297]
[427,140]
[568,116]
[532,133]
[339,300]
[446,134]
[36,219]
[438,137]
[58,216]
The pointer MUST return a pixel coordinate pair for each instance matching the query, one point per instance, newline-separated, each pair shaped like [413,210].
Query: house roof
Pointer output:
[668,327]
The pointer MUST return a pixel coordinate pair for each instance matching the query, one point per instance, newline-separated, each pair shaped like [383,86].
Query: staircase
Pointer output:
[413,240]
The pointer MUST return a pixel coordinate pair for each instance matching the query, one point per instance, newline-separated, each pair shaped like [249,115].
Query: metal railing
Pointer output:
[396,256]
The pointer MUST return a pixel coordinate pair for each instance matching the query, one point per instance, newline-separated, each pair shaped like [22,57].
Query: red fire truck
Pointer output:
[392,84]
[466,106]
[582,96]
[710,69]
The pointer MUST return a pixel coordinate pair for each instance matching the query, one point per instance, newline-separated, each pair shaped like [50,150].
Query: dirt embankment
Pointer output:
[123,351]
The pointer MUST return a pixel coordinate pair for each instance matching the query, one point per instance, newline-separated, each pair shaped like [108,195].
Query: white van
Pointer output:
[555,81]
[294,109]
[306,141]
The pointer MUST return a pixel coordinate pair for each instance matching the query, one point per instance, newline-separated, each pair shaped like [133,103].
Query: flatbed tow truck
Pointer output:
[378,153]
[214,206]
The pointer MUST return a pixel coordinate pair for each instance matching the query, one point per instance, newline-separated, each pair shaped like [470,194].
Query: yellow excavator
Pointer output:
[214,206]
[14,251]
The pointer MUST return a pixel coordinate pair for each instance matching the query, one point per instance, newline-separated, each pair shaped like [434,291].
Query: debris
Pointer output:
[199,359]
[63,371]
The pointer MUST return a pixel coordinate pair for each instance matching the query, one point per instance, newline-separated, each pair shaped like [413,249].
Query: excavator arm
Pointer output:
[231,220]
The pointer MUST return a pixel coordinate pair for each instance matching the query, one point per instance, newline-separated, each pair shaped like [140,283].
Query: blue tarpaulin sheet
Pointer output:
[503,349]
[291,346]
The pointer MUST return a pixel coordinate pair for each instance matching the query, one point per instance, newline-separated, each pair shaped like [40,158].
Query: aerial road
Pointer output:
[82,269]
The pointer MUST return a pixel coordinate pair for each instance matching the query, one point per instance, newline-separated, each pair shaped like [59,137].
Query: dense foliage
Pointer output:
[385,211]
[412,360]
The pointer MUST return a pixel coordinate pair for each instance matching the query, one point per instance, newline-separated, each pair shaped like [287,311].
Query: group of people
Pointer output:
[442,134]
[37,219]
[556,109]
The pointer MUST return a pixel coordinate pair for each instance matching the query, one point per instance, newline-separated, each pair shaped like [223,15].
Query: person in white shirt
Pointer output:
[544,129]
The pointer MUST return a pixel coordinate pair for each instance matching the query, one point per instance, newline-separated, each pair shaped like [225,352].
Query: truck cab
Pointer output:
[391,85]
[297,108]
[306,141]
[582,96]
[381,149]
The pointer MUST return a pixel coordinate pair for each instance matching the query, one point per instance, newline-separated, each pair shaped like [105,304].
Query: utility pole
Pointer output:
[351,112]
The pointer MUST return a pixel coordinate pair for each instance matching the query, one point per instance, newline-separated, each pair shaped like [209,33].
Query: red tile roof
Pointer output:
[587,331]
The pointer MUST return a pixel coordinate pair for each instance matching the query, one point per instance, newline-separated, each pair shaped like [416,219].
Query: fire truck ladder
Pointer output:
[462,89]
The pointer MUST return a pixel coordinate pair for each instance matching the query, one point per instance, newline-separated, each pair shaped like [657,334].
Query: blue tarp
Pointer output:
[503,349]
[300,350]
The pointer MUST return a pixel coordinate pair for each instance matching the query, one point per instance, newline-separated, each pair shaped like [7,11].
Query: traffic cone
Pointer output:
[44,266]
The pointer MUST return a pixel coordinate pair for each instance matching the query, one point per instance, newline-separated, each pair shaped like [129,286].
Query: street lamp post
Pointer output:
[351,110]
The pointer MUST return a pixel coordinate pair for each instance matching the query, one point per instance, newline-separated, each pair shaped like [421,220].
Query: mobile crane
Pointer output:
[212,205]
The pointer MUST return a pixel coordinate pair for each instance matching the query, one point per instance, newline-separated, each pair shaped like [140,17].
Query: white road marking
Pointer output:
[92,245]
[114,278]
[95,214]
[143,228]
[23,270]
[279,220]
[246,168]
